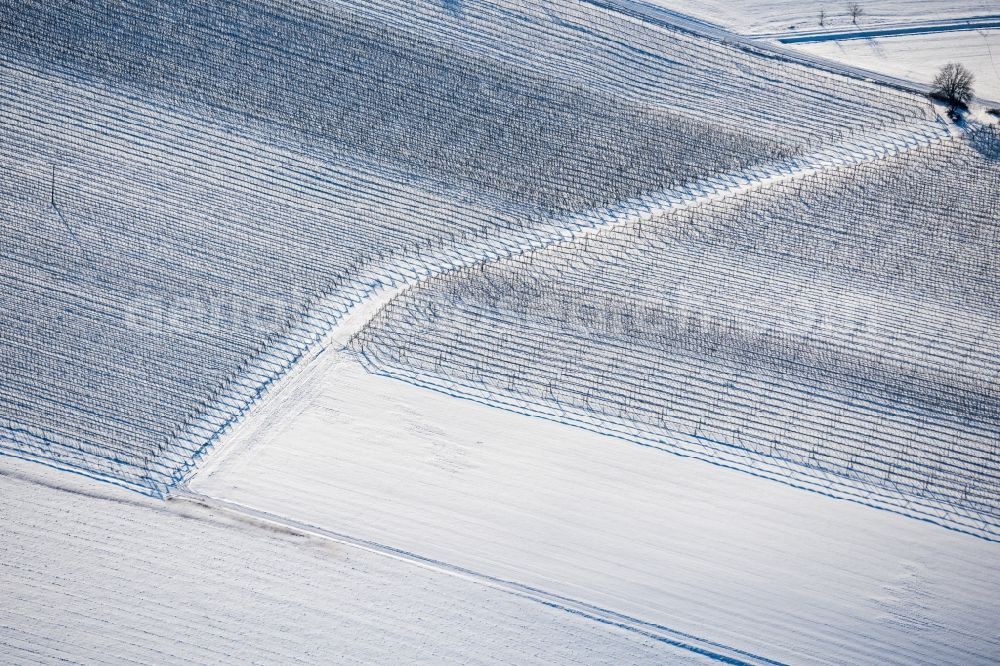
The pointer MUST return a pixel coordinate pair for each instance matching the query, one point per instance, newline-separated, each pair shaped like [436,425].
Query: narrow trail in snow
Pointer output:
[845,155]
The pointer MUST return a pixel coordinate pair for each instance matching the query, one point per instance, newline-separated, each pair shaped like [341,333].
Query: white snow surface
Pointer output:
[775,571]
[912,58]
[92,574]
[750,17]
[920,57]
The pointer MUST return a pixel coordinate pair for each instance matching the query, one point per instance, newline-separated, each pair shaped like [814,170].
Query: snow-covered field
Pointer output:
[832,330]
[784,16]
[694,548]
[919,57]
[191,208]
[93,574]
[484,331]
[914,58]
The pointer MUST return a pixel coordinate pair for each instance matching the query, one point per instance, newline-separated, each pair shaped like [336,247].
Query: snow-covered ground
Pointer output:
[919,57]
[684,545]
[242,182]
[93,574]
[773,16]
[199,192]
[914,58]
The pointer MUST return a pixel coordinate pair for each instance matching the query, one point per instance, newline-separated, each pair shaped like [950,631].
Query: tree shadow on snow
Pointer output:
[985,139]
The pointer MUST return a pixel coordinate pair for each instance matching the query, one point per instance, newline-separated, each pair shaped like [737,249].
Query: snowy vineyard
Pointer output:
[195,193]
[462,112]
[837,331]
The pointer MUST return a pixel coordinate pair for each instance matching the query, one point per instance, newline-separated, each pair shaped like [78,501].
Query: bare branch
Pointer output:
[953,85]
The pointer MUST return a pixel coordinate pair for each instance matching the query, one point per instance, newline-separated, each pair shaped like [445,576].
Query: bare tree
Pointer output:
[854,9]
[953,85]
